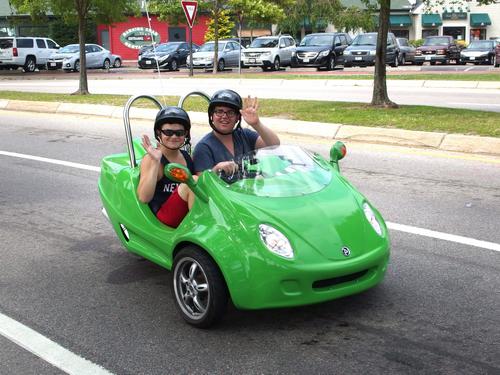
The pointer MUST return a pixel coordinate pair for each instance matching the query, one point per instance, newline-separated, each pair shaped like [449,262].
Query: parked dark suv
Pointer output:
[441,49]
[322,50]
[363,49]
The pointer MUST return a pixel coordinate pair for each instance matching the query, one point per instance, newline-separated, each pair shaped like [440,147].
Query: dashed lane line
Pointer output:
[47,349]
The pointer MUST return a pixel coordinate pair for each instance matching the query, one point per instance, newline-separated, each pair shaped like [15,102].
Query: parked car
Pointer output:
[442,49]
[363,49]
[479,52]
[269,52]
[228,55]
[497,54]
[322,50]
[27,52]
[95,55]
[170,56]
[406,51]
[286,230]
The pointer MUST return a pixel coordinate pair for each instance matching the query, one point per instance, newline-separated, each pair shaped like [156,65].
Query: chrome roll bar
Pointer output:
[199,93]
[126,122]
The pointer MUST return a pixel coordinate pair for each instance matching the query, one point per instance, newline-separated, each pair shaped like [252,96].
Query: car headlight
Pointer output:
[266,54]
[275,241]
[440,52]
[373,52]
[162,58]
[324,53]
[347,53]
[372,219]
[294,53]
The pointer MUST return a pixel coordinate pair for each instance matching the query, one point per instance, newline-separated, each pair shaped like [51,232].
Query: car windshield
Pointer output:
[279,171]
[365,40]
[481,44]
[166,47]
[209,47]
[317,40]
[264,43]
[72,48]
[436,41]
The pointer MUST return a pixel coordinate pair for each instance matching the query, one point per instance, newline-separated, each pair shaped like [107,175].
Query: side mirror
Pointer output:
[337,152]
[180,173]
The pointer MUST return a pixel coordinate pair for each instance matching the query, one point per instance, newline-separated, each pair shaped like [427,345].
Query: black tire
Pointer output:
[77,66]
[403,60]
[106,64]
[331,63]
[264,68]
[276,64]
[221,65]
[30,64]
[433,63]
[497,63]
[173,65]
[492,60]
[117,63]
[395,63]
[199,287]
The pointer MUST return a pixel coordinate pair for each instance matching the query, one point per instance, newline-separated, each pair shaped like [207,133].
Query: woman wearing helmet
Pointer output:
[228,141]
[169,200]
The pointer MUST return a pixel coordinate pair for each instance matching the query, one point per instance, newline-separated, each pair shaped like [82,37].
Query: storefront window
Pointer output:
[477,34]
[429,32]
[401,33]
[458,33]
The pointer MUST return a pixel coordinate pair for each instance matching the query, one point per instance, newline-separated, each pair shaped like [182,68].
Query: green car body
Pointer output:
[330,226]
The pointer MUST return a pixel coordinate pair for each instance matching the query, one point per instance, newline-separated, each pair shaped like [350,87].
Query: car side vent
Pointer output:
[320,284]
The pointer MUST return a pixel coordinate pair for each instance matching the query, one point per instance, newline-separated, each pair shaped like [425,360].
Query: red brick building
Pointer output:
[125,38]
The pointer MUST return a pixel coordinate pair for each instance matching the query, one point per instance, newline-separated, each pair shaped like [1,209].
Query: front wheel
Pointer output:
[199,287]
[331,63]
[30,64]
[496,63]
[173,65]
[77,65]
[403,60]
[117,63]
[221,65]
[276,64]
[395,63]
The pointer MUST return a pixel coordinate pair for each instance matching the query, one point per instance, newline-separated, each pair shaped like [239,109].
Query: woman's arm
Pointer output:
[150,167]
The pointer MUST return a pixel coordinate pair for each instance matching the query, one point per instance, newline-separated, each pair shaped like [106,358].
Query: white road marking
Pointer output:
[444,236]
[52,161]
[47,349]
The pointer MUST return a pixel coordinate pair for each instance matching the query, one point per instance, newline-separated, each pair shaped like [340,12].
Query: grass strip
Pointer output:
[409,117]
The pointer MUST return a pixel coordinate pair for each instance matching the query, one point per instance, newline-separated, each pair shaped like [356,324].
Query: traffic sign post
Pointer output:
[190,8]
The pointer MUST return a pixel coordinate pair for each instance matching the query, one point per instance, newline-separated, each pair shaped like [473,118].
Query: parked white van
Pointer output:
[26,52]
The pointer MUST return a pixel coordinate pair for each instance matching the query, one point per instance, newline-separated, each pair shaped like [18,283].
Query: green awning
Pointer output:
[400,20]
[480,19]
[429,20]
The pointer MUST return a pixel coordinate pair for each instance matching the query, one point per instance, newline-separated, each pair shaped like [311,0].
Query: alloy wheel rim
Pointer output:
[191,288]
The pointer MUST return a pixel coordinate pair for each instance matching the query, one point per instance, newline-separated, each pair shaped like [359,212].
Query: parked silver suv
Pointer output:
[269,52]
[26,52]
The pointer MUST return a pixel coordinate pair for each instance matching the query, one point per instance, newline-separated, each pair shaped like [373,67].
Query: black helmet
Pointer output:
[227,98]
[171,115]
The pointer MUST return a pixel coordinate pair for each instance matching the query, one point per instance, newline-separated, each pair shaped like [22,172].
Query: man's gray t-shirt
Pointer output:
[210,151]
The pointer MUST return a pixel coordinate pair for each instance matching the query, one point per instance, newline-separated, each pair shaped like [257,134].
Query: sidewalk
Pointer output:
[438,141]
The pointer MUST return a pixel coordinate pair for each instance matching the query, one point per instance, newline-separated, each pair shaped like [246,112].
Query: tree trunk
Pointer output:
[83,88]
[380,96]
[216,36]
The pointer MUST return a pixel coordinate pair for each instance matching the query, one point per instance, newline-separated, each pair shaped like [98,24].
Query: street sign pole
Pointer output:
[190,8]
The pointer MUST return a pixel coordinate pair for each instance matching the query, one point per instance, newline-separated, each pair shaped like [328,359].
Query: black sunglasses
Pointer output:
[170,132]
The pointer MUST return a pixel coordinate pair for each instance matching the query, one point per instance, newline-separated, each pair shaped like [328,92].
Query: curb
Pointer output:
[398,137]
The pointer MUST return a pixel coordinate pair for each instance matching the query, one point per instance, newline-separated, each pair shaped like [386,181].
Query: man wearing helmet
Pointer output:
[227,142]
[169,200]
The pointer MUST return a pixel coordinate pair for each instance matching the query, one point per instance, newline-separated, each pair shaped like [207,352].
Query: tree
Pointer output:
[225,26]
[380,96]
[81,12]
[317,14]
